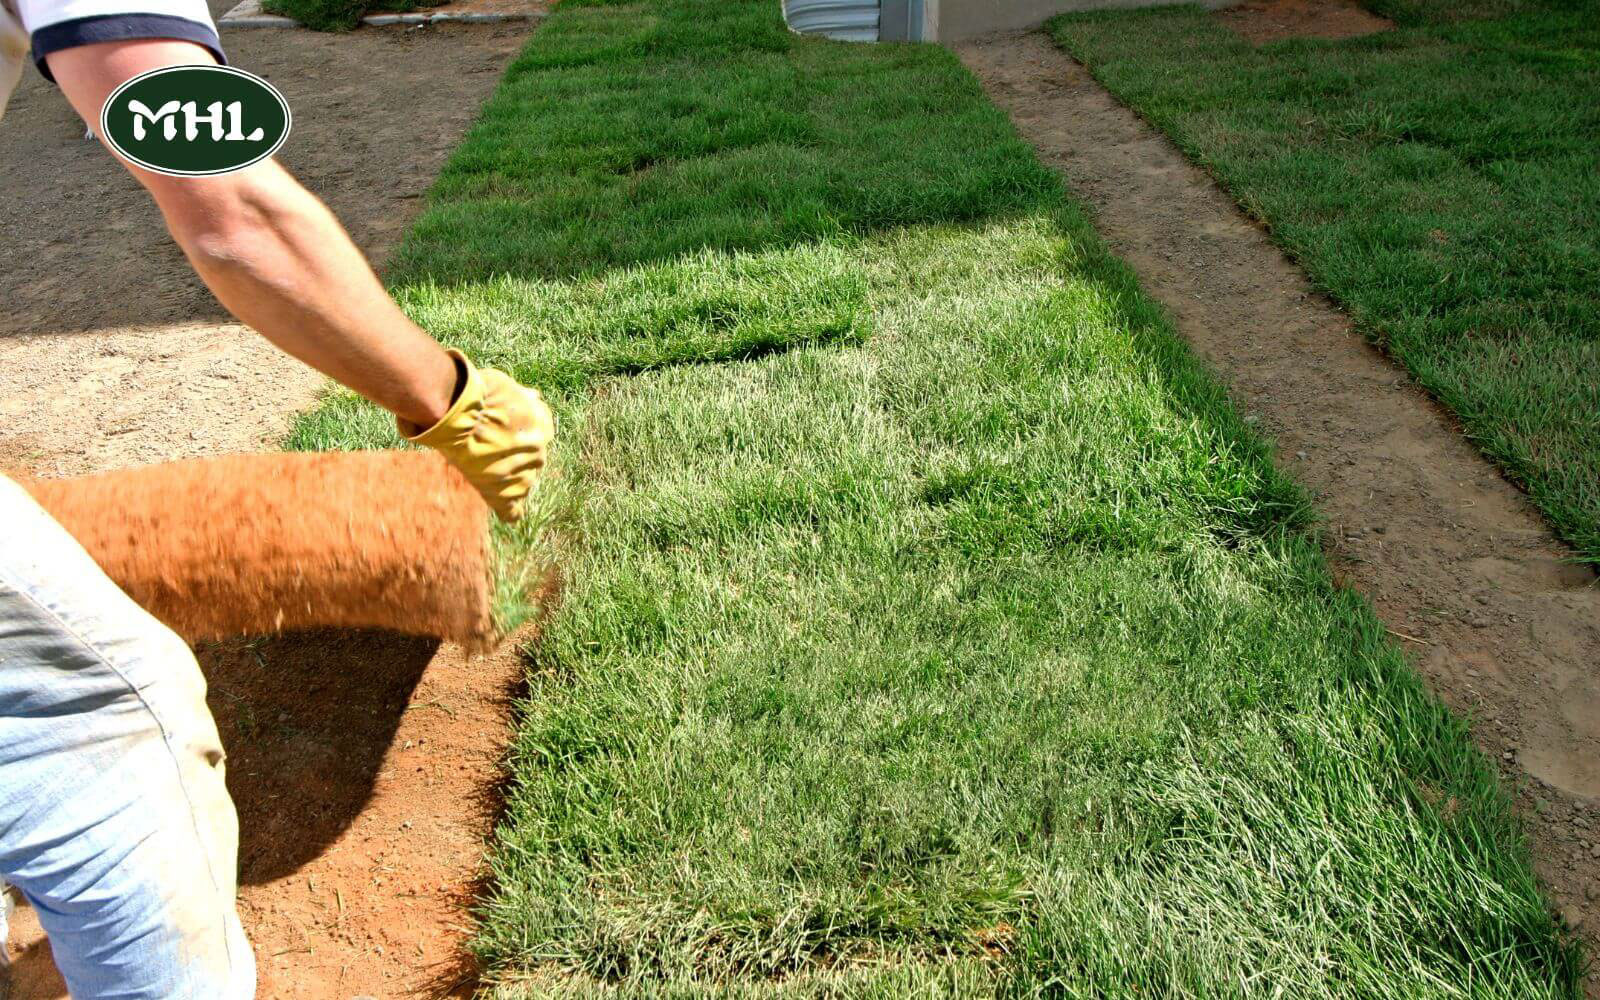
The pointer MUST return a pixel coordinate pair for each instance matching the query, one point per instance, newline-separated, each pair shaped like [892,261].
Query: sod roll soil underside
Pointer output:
[258,544]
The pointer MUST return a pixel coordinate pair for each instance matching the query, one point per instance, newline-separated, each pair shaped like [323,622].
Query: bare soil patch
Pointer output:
[1461,568]
[365,766]
[1262,21]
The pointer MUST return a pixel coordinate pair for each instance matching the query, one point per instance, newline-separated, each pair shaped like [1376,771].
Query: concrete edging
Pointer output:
[248,14]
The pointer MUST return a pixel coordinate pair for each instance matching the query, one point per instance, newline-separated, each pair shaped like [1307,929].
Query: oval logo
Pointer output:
[195,121]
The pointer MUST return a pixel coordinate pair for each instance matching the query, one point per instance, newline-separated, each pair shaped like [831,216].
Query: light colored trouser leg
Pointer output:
[114,819]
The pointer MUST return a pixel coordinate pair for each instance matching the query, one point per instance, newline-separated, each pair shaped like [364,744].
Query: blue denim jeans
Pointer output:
[114,819]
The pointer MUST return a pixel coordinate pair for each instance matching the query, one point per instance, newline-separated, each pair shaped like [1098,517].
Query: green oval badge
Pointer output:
[195,121]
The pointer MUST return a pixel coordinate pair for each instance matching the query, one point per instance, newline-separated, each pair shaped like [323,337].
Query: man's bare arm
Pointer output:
[274,255]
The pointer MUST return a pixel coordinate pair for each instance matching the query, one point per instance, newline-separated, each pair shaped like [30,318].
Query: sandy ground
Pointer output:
[1461,568]
[364,765]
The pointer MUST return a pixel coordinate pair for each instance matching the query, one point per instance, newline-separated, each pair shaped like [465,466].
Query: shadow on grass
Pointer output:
[627,137]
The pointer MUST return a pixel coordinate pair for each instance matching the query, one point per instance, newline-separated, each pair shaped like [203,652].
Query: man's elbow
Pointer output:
[224,223]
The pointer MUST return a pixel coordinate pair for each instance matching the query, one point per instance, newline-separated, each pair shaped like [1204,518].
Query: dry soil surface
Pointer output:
[364,765]
[1458,564]
[1263,21]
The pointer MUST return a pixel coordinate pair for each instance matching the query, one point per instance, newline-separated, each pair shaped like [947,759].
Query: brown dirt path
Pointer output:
[364,765]
[1457,563]
[1262,21]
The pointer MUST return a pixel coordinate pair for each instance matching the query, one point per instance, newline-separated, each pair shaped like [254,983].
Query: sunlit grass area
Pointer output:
[930,624]
[1441,182]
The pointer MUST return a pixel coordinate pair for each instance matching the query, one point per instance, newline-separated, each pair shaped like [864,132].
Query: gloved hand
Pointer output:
[496,432]
[14,46]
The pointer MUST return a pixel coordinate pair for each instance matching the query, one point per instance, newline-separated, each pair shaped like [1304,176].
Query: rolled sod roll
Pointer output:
[259,544]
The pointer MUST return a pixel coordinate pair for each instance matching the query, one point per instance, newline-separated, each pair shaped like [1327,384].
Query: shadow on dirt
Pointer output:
[307,720]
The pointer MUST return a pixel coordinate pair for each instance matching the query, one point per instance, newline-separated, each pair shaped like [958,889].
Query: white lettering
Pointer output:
[236,125]
[169,125]
[212,117]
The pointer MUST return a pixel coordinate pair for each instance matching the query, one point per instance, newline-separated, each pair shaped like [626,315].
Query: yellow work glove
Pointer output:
[497,433]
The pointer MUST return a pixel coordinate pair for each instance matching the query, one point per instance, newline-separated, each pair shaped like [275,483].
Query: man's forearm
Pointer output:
[280,262]
[273,255]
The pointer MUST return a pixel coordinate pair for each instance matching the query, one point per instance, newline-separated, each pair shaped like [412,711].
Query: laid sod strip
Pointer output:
[930,624]
[1442,183]
[563,336]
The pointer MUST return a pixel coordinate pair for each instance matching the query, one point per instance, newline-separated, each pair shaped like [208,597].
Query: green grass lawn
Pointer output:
[1410,13]
[931,625]
[1442,182]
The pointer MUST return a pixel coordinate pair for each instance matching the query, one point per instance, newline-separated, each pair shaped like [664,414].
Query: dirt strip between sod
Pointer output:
[365,766]
[1461,568]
